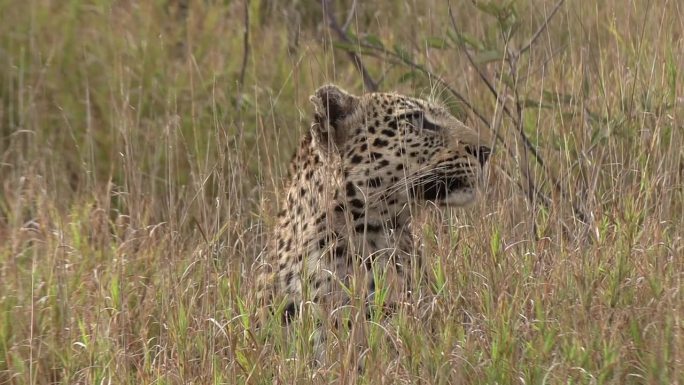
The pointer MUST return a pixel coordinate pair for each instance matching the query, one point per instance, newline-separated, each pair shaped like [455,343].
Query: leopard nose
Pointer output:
[481,153]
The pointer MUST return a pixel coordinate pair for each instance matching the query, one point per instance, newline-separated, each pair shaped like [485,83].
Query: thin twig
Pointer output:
[245,50]
[543,65]
[579,213]
[350,17]
[526,141]
[511,59]
[371,85]
[402,59]
[540,29]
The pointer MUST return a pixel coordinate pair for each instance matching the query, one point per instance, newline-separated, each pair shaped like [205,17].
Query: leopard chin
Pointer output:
[460,198]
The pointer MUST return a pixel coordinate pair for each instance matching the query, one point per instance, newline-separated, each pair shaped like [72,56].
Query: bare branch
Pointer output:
[368,81]
[543,65]
[511,58]
[526,141]
[328,10]
[245,52]
[350,17]
[541,28]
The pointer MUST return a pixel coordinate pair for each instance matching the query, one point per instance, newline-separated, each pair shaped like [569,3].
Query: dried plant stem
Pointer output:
[369,83]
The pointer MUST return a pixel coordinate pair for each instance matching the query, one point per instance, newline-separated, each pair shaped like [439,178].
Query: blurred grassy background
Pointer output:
[142,146]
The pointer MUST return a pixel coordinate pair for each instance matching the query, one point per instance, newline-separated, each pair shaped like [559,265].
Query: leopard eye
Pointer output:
[417,118]
[428,125]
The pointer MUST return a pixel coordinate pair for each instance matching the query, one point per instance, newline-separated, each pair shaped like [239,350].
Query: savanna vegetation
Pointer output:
[142,145]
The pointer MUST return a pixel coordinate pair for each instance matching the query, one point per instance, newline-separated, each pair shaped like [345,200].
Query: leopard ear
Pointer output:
[333,108]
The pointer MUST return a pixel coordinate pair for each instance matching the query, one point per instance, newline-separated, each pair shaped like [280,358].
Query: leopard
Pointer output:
[362,170]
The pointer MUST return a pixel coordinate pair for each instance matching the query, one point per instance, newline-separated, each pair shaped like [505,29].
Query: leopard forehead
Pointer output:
[381,108]
[396,104]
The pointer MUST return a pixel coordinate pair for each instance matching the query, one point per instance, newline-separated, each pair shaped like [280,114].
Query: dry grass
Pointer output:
[138,176]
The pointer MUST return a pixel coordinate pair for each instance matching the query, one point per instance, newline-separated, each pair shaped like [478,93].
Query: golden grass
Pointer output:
[138,179]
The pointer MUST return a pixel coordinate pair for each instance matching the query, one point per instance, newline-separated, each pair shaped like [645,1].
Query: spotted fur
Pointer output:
[366,164]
